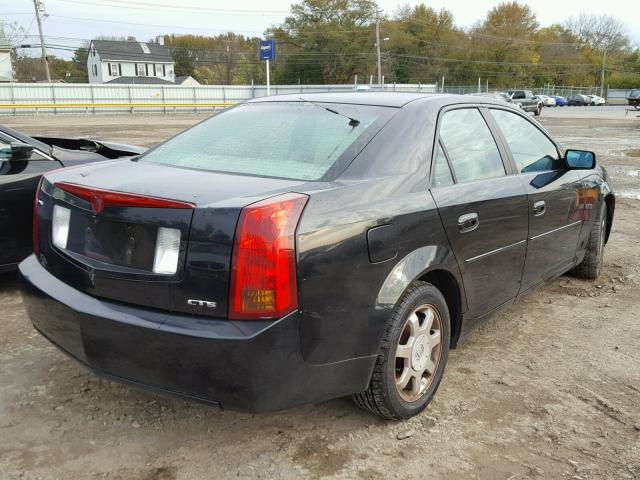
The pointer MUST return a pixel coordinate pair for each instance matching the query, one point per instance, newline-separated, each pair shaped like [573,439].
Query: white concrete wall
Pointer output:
[191,97]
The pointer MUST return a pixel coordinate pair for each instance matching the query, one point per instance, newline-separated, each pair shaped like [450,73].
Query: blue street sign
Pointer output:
[267,49]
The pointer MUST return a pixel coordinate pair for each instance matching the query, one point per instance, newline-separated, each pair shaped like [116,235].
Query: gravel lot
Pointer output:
[548,389]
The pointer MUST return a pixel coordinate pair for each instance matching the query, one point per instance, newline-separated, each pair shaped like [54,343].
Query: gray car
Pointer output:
[526,100]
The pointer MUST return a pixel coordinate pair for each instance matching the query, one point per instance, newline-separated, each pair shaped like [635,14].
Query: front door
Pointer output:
[555,214]
[483,209]
[18,182]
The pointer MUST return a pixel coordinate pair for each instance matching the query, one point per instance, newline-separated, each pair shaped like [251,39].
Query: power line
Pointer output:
[134,5]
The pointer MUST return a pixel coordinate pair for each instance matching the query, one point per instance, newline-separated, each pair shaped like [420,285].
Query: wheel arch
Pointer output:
[610,202]
[448,285]
[435,265]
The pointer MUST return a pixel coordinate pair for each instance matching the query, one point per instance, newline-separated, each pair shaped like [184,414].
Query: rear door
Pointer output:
[555,216]
[483,207]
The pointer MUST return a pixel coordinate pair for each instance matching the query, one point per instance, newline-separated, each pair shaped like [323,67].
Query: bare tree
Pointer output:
[601,32]
[13,32]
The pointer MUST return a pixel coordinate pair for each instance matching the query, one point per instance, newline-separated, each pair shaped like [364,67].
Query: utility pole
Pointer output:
[378,46]
[38,5]
[228,62]
[604,63]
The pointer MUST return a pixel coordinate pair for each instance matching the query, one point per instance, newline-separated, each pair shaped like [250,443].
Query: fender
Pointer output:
[414,266]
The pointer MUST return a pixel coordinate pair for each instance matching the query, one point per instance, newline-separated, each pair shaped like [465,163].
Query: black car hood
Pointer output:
[199,187]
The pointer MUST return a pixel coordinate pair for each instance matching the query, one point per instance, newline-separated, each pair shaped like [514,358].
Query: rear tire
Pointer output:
[538,111]
[591,264]
[412,357]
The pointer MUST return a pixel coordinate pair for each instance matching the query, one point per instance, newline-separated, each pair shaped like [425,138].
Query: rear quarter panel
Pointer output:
[345,298]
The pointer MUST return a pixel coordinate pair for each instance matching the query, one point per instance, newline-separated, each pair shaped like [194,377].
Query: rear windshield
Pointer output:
[292,140]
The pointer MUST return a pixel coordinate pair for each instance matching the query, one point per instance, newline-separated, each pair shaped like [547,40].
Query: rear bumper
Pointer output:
[252,366]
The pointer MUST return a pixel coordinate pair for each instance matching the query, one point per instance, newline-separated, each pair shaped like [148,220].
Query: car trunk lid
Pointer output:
[119,212]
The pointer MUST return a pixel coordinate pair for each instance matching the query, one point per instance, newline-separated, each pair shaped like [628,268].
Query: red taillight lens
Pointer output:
[36,221]
[263,266]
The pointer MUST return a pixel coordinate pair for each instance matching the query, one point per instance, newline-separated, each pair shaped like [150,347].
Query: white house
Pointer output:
[111,61]
[6,68]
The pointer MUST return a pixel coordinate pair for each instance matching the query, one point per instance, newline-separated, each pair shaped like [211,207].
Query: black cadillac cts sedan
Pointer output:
[295,249]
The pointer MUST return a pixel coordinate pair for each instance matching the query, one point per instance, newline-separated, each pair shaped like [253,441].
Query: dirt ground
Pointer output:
[547,389]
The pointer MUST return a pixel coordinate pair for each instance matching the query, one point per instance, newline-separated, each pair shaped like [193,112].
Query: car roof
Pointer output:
[382,99]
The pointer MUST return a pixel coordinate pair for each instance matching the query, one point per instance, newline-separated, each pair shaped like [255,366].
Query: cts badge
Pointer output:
[202,303]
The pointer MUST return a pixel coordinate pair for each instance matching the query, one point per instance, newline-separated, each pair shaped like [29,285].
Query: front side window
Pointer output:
[441,172]
[292,140]
[531,149]
[473,152]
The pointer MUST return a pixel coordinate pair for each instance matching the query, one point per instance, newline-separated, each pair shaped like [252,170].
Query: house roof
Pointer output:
[132,51]
[140,81]
[183,78]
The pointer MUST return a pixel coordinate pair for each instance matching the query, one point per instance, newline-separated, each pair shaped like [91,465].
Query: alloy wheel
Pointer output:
[418,352]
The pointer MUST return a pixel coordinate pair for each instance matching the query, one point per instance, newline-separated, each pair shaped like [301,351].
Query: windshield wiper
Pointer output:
[353,122]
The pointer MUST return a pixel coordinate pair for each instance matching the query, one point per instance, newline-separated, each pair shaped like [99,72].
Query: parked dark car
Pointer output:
[295,249]
[634,98]
[526,100]
[23,160]
[578,101]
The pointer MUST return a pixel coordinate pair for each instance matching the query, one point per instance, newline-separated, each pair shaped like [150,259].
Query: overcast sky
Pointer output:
[71,21]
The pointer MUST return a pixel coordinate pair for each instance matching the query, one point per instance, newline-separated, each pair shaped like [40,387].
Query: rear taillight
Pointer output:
[263,266]
[100,198]
[36,220]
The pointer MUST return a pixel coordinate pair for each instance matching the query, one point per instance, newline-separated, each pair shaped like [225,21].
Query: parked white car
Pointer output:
[547,101]
[596,100]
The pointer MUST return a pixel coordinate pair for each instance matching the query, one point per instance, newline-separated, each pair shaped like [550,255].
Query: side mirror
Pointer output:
[580,159]
[16,151]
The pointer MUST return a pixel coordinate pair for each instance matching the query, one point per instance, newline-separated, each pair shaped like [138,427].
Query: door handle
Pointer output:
[468,222]
[539,208]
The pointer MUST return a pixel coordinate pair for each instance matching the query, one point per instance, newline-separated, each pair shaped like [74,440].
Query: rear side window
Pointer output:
[441,172]
[472,150]
[531,149]
[292,140]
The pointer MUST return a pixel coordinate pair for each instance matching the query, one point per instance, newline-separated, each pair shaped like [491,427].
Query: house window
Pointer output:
[114,70]
[141,70]
[95,70]
[159,70]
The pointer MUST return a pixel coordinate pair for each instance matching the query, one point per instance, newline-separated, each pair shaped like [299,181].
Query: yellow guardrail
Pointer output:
[36,106]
